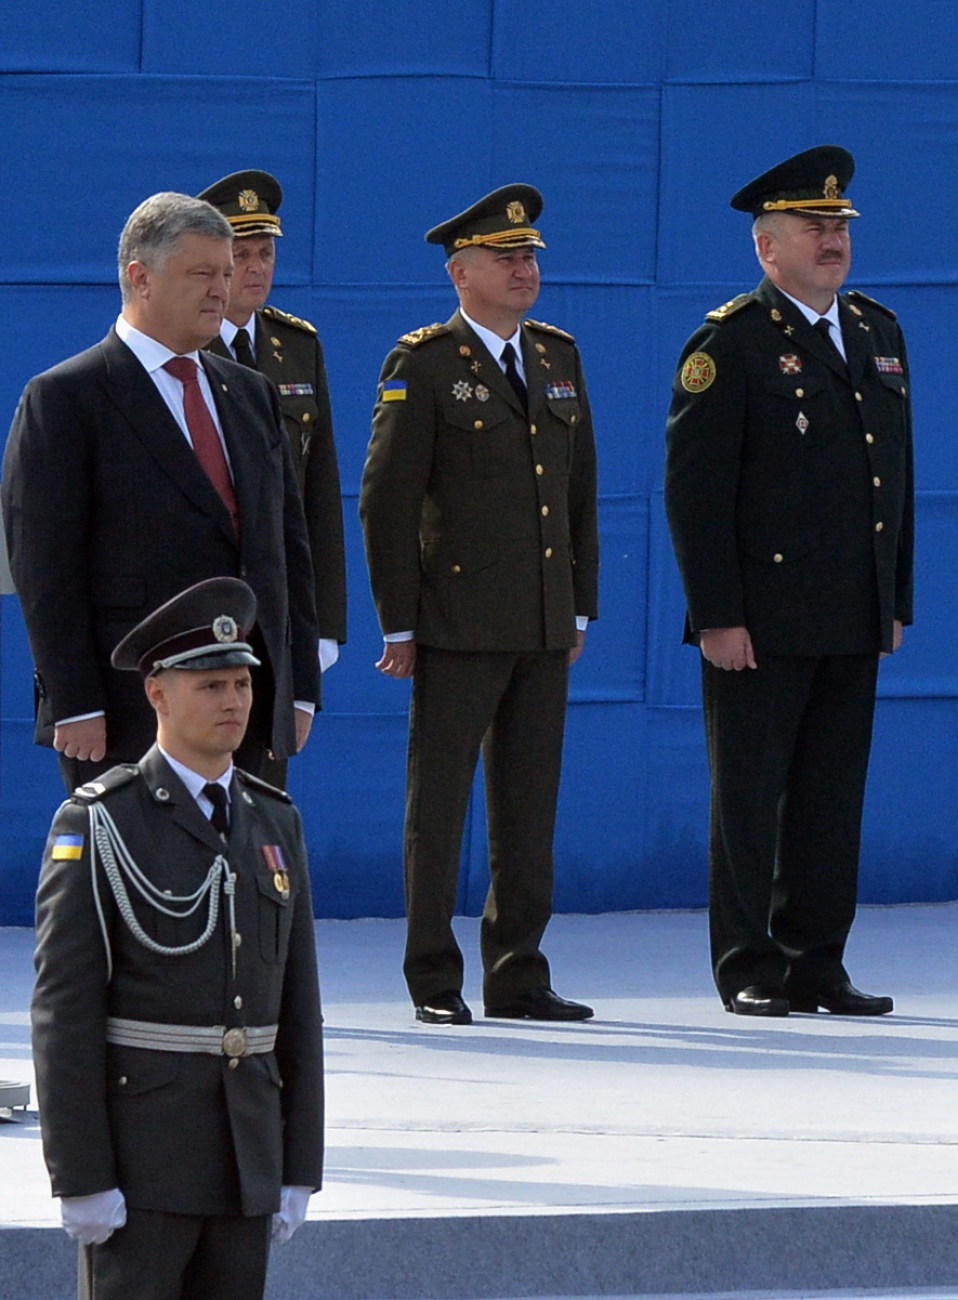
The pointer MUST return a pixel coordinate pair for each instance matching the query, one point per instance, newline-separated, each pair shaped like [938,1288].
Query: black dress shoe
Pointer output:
[444,1009]
[539,1004]
[758,1000]
[841,999]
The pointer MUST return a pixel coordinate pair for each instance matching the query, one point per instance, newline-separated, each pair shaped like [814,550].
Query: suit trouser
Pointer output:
[788,746]
[159,1256]
[513,706]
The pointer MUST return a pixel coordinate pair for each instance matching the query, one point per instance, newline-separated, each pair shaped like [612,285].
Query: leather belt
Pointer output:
[216,1040]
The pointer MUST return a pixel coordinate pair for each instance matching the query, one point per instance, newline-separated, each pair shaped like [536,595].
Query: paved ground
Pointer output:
[664,1101]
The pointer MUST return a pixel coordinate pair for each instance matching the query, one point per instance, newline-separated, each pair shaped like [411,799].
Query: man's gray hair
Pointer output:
[153,231]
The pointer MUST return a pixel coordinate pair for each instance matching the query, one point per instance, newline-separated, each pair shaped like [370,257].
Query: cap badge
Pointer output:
[225,629]
[516,213]
[461,391]
[248,200]
[698,373]
[790,364]
[831,188]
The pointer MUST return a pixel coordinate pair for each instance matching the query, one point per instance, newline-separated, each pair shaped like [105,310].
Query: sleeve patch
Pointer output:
[67,848]
[394,390]
[698,373]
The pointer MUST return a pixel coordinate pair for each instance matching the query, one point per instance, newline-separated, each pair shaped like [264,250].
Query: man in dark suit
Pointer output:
[287,351]
[479,508]
[789,489]
[176,1021]
[124,482]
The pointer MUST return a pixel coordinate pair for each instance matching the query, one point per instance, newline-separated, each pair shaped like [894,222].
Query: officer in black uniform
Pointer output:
[286,350]
[479,509]
[789,490]
[176,1021]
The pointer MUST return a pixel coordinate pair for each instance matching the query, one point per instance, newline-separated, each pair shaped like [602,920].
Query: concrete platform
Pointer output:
[665,1148]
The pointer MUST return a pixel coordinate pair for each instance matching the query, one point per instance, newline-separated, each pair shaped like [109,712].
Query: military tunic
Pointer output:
[288,352]
[182,1133]
[789,491]
[481,539]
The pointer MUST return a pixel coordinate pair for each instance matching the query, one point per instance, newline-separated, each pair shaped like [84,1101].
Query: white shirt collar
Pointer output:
[150,352]
[811,315]
[192,780]
[228,330]
[495,342]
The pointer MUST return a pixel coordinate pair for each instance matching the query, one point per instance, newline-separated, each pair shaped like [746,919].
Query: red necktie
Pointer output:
[203,435]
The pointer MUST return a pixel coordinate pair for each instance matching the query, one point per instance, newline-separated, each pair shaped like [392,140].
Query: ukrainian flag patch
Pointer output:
[394,390]
[67,848]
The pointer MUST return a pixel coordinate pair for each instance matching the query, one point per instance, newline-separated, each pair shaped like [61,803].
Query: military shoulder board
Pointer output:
[112,780]
[727,309]
[415,337]
[264,787]
[274,313]
[550,329]
[857,296]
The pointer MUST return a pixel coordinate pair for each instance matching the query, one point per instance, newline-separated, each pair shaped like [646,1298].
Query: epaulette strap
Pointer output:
[727,309]
[257,783]
[297,322]
[550,329]
[112,780]
[870,302]
[415,337]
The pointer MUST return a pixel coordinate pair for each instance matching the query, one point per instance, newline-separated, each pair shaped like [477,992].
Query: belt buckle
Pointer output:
[235,1043]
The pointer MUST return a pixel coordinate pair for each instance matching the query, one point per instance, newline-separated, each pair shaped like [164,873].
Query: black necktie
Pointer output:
[217,797]
[512,374]
[823,325]
[243,349]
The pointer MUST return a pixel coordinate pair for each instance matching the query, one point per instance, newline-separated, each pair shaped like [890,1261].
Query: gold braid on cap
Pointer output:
[505,237]
[253,219]
[785,205]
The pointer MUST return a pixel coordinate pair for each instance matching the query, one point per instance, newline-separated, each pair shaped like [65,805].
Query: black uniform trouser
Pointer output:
[513,706]
[788,746]
[158,1256]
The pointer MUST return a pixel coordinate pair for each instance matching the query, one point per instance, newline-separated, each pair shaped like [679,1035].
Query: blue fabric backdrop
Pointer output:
[637,119]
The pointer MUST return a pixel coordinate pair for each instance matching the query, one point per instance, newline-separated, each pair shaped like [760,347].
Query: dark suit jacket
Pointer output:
[108,514]
[480,522]
[289,353]
[178,1132]
[789,481]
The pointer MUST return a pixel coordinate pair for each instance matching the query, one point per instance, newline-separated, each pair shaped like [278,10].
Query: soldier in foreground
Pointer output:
[176,1018]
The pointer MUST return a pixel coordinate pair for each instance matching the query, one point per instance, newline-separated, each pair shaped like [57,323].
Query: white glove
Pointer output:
[328,653]
[292,1211]
[92,1219]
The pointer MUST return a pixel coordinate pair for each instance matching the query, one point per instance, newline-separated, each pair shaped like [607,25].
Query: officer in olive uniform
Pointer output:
[789,490]
[176,1020]
[479,508]
[286,350]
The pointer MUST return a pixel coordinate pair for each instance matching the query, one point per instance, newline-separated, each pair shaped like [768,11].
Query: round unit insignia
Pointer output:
[225,629]
[698,373]
[482,393]
[465,351]
[776,314]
